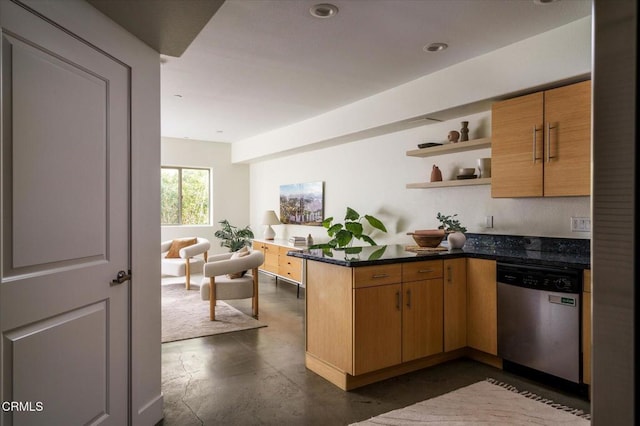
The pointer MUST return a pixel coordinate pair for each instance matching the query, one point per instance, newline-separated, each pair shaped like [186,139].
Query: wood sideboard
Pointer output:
[278,264]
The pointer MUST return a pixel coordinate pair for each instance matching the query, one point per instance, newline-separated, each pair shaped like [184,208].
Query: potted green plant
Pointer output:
[343,235]
[453,229]
[232,237]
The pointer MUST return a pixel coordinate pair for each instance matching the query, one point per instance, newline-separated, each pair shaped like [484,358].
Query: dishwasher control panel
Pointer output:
[540,278]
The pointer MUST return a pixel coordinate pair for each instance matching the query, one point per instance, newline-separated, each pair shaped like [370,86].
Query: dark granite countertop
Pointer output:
[563,253]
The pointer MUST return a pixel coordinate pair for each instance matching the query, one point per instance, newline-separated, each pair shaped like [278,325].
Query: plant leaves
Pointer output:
[351,214]
[355,228]
[378,253]
[327,222]
[334,229]
[369,240]
[320,246]
[376,223]
[353,250]
[343,237]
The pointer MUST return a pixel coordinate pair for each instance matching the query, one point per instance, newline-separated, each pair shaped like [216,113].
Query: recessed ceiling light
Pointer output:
[323,10]
[177,96]
[435,47]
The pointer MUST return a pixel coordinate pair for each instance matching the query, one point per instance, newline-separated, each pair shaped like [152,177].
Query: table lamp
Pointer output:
[269,219]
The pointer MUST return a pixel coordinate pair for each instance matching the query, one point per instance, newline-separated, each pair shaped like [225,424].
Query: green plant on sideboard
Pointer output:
[343,235]
[232,237]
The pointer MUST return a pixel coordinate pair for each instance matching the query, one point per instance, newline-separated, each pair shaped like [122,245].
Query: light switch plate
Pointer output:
[580,224]
[488,221]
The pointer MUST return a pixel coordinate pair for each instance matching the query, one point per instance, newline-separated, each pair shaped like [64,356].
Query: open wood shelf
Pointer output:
[451,147]
[449,183]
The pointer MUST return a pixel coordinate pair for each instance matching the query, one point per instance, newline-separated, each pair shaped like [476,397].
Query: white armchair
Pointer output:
[187,260]
[216,285]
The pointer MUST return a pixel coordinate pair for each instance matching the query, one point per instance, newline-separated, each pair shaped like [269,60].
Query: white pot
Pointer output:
[456,240]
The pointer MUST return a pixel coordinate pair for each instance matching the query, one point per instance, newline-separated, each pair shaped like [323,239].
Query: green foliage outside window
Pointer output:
[184,196]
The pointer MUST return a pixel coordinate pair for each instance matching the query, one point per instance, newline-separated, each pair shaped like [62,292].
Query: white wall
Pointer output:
[370,174]
[230,186]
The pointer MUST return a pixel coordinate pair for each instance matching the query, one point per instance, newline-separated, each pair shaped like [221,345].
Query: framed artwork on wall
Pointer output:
[302,203]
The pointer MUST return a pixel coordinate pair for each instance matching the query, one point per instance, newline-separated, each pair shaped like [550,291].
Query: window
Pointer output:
[185,196]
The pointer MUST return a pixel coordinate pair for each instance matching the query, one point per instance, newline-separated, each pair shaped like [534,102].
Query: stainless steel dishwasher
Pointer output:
[539,319]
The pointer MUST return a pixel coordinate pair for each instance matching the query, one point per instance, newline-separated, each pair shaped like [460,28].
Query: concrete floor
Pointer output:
[258,377]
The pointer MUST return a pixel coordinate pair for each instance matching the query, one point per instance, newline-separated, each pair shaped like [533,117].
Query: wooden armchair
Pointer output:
[218,283]
[186,259]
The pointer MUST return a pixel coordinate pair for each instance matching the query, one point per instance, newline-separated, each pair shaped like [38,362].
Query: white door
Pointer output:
[65,227]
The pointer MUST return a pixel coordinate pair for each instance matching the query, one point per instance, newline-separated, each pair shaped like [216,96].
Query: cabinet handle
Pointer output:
[425,271]
[408,298]
[449,273]
[535,143]
[380,275]
[398,300]
[549,156]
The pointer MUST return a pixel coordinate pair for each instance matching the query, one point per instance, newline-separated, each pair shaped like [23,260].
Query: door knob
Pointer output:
[121,277]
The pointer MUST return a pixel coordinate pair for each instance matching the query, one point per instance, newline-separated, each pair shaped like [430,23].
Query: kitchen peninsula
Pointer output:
[377,312]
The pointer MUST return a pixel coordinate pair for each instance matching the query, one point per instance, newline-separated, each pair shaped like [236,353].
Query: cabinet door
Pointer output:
[455,304]
[421,319]
[567,158]
[329,315]
[482,314]
[517,147]
[270,258]
[377,327]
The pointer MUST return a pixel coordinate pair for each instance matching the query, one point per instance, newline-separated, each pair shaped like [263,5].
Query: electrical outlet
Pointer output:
[580,224]
[488,221]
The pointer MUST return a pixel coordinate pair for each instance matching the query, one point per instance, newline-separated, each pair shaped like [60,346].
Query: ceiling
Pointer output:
[258,65]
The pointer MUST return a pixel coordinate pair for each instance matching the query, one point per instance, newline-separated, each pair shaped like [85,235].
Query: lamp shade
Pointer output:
[270,218]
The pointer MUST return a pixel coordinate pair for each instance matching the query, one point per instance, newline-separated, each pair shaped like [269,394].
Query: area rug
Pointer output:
[484,403]
[186,316]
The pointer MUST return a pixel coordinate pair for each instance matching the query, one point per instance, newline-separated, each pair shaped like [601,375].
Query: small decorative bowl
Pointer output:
[428,238]
[466,171]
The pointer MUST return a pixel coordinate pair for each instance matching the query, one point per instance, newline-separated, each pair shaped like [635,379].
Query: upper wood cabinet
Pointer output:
[541,143]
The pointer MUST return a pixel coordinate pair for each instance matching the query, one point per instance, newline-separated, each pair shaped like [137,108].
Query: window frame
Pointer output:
[180,182]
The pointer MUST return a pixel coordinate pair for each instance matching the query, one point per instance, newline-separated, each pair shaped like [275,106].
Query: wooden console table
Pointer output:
[277,263]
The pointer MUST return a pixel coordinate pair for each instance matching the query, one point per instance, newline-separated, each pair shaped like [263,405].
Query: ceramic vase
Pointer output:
[456,240]
[436,174]
[464,131]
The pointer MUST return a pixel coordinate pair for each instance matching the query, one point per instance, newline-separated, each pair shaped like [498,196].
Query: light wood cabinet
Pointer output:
[586,328]
[277,262]
[271,255]
[421,319]
[422,309]
[482,313]
[541,143]
[397,314]
[455,303]
[377,328]
[289,267]
[392,315]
